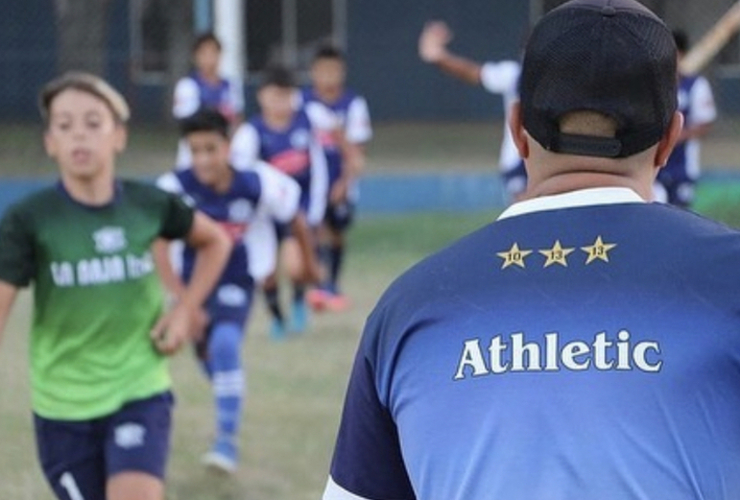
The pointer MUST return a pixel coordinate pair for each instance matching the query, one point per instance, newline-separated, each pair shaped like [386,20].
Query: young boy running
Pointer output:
[342,120]
[285,139]
[100,386]
[233,198]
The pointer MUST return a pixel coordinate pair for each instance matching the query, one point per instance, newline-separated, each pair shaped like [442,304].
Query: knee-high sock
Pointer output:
[273,303]
[336,256]
[324,255]
[228,379]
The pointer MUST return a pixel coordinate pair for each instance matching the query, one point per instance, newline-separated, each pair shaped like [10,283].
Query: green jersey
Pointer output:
[96,294]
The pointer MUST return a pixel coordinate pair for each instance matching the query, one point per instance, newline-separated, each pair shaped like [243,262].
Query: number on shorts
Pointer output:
[68,483]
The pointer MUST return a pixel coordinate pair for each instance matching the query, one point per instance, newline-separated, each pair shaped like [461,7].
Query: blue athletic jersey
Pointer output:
[218,97]
[288,150]
[572,352]
[234,211]
[339,110]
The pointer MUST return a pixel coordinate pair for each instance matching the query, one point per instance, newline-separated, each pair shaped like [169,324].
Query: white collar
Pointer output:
[580,198]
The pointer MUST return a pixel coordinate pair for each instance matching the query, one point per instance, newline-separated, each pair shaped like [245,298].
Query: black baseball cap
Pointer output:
[614,57]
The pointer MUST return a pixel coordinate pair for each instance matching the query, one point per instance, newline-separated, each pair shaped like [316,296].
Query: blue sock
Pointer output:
[227,378]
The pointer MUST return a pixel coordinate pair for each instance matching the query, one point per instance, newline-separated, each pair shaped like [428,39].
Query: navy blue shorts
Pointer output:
[282,231]
[78,457]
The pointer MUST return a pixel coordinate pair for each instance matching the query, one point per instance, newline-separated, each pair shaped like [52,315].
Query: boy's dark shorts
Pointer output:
[78,457]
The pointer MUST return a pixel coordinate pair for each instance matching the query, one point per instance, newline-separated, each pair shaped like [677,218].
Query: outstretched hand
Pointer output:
[433,41]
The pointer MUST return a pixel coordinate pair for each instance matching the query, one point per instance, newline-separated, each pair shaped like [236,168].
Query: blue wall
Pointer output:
[382,50]
[27,55]
[403,193]
[384,64]
[380,194]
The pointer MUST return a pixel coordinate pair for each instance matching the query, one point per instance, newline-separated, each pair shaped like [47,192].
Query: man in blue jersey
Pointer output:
[568,350]
[342,121]
[677,180]
[233,199]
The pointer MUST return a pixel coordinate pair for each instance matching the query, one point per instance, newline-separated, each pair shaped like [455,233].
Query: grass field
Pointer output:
[295,387]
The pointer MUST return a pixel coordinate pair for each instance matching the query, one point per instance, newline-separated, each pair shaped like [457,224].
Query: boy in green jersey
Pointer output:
[100,386]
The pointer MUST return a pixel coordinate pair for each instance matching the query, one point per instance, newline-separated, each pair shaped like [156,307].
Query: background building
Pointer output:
[143,46]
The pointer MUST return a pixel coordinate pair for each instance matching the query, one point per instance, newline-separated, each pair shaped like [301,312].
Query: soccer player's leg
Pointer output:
[228,383]
[228,310]
[291,256]
[137,442]
[271,289]
[72,457]
[339,218]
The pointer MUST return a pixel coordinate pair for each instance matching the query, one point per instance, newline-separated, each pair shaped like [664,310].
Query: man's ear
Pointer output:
[517,130]
[668,142]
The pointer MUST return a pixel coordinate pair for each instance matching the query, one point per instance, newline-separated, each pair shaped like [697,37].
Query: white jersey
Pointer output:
[350,114]
[283,150]
[698,102]
[278,200]
[503,78]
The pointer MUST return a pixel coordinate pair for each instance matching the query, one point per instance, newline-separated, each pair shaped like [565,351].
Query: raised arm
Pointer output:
[433,49]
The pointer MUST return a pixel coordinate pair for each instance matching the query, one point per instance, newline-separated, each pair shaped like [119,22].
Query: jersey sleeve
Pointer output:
[358,128]
[245,147]
[279,194]
[17,254]
[500,77]
[187,98]
[177,217]
[170,183]
[367,461]
[703,109]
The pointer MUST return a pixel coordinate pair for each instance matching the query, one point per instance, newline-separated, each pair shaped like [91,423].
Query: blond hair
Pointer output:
[84,82]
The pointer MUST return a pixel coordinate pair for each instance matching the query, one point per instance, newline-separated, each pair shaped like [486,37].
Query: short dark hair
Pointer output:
[277,75]
[682,40]
[205,120]
[328,52]
[204,38]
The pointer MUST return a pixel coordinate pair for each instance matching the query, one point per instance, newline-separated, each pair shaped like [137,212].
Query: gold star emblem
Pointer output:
[599,250]
[514,257]
[557,255]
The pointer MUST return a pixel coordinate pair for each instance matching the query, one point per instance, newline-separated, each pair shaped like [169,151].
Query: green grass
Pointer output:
[295,388]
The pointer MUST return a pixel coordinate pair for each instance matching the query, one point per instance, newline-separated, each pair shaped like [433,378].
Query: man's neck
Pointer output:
[98,190]
[277,122]
[210,77]
[575,181]
[330,96]
[223,183]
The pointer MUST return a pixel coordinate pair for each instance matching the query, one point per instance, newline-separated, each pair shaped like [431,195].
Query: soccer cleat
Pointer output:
[299,317]
[317,299]
[337,303]
[277,330]
[223,457]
